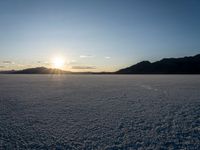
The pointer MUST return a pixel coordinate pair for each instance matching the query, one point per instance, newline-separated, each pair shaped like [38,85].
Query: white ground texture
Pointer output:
[108,112]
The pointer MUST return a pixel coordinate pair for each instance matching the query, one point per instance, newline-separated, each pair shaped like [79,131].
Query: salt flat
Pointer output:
[99,112]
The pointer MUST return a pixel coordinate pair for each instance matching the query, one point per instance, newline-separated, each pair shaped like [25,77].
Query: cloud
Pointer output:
[71,62]
[43,62]
[7,62]
[107,57]
[83,67]
[2,66]
[47,63]
[86,56]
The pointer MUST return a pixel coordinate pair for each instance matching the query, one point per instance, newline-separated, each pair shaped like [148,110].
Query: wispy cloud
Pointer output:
[107,57]
[71,62]
[43,62]
[47,63]
[7,62]
[86,56]
[83,67]
[20,65]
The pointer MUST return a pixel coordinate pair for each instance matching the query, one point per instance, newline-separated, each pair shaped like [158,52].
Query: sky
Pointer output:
[96,35]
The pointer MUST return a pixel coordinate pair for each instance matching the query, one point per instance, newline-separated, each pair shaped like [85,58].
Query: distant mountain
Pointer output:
[7,72]
[185,65]
[44,70]
[40,70]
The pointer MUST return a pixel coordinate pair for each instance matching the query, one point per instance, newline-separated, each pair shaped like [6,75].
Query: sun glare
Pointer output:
[58,62]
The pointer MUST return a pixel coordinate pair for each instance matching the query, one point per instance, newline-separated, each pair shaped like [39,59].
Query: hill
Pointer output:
[40,70]
[185,65]
[44,70]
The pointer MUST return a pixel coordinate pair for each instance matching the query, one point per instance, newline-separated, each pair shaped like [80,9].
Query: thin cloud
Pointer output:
[20,65]
[2,66]
[107,57]
[71,62]
[83,67]
[7,62]
[86,56]
[47,63]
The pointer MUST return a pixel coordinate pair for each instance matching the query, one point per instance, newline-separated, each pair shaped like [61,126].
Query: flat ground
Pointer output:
[99,112]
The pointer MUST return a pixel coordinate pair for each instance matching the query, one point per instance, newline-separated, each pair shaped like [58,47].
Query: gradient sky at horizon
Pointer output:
[96,35]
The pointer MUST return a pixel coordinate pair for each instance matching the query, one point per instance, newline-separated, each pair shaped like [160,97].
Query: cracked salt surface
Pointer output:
[99,112]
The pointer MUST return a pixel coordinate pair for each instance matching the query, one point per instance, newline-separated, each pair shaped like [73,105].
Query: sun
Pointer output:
[58,62]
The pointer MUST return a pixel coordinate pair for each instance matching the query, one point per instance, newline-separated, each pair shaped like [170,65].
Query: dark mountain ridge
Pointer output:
[44,70]
[185,65]
[40,70]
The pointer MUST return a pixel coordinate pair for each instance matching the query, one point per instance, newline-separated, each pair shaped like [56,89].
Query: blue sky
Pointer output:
[96,35]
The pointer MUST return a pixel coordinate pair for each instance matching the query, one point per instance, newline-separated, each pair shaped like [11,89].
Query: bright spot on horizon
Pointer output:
[58,62]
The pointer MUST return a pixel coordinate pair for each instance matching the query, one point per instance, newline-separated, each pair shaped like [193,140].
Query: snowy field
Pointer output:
[99,112]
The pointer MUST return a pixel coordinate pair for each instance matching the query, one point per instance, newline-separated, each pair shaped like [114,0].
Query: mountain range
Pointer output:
[41,70]
[185,65]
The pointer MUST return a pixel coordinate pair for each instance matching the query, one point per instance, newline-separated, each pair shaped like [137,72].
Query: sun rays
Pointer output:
[58,62]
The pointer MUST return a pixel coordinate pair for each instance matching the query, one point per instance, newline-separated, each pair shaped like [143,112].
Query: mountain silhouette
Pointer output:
[40,70]
[185,65]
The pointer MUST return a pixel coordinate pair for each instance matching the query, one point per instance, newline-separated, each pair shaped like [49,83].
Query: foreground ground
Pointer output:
[99,112]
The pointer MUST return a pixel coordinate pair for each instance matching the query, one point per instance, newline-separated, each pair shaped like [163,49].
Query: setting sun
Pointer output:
[58,62]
